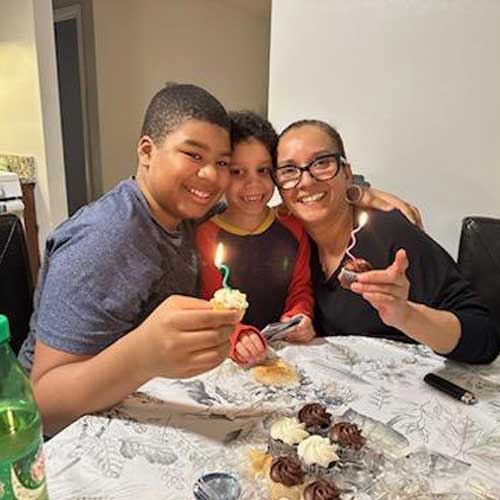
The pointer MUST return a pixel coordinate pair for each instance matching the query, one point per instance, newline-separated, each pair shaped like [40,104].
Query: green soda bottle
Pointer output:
[22,474]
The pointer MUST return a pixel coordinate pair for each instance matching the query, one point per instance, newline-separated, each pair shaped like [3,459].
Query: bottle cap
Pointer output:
[4,329]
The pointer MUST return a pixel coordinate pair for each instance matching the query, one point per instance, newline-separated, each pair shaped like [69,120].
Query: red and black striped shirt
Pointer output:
[269,264]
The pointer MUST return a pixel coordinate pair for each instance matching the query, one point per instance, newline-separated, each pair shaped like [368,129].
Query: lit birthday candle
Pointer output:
[362,220]
[219,263]
[352,266]
[227,297]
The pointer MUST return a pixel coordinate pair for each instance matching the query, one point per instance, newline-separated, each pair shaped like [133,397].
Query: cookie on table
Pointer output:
[275,372]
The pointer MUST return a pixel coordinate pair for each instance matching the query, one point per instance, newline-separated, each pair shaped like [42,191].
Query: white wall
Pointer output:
[29,108]
[222,45]
[414,88]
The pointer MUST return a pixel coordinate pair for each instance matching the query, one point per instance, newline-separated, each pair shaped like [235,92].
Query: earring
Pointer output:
[353,194]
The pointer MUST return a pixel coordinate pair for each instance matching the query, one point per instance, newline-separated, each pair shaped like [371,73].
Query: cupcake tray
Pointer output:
[382,470]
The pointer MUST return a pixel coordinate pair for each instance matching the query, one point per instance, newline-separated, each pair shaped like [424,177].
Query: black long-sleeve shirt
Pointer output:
[434,281]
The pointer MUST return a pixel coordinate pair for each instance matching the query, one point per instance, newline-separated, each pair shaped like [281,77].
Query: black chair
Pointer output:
[16,285]
[479,259]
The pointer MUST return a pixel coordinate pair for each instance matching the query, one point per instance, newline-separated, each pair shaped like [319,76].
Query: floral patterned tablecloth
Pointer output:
[156,443]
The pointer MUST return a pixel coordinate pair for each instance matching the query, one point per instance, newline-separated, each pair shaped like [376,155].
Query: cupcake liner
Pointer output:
[318,471]
[242,314]
[218,306]
[347,277]
[318,431]
[347,454]
[277,448]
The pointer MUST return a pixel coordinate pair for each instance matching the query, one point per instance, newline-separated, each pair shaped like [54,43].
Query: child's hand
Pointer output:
[303,332]
[250,349]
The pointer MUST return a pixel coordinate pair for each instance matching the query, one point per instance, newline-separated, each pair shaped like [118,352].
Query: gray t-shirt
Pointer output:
[105,270]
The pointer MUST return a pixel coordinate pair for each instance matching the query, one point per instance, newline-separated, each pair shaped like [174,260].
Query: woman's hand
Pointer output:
[387,291]
[301,333]
[373,198]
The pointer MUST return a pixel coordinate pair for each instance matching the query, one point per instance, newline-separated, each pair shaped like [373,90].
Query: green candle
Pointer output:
[225,275]
[224,270]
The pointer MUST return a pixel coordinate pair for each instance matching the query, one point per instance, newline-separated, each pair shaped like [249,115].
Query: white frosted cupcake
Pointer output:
[230,298]
[286,434]
[318,455]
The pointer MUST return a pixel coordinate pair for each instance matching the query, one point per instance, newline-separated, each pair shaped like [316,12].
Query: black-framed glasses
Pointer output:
[322,168]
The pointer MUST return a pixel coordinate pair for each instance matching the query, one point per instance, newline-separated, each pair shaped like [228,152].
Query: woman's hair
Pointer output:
[246,125]
[324,126]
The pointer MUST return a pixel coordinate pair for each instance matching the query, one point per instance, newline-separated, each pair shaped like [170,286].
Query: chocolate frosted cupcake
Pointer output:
[350,270]
[317,455]
[321,490]
[287,471]
[316,418]
[285,479]
[347,435]
[286,434]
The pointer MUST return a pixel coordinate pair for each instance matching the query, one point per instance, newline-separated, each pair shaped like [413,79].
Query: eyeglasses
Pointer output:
[322,168]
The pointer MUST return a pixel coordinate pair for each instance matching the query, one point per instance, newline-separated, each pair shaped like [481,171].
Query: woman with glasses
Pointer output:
[415,292]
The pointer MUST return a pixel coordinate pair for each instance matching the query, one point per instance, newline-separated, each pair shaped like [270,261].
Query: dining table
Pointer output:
[160,440]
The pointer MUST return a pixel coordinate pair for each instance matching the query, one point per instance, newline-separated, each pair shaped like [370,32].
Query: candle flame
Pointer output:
[363,219]
[219,255]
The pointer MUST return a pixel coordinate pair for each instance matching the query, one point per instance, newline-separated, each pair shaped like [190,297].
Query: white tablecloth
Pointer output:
[156,443]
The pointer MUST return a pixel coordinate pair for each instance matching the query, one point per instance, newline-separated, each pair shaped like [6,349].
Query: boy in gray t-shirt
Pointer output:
[108,267]
[115,304]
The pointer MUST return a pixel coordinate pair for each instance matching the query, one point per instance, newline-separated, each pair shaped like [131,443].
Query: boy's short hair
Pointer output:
[178,102]
[246,125]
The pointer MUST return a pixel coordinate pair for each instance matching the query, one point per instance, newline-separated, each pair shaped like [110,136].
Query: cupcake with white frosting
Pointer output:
[318,455]
[230,298]
[286,434]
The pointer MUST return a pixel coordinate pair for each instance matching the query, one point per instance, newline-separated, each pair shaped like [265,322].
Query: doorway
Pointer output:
[72,100]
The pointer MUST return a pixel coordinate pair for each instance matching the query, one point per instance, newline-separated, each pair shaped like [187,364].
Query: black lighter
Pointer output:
[450,388]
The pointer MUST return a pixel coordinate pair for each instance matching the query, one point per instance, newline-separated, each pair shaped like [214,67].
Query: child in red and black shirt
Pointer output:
[267,253]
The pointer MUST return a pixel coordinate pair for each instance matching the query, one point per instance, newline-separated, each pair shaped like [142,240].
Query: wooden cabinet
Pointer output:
[31,228]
